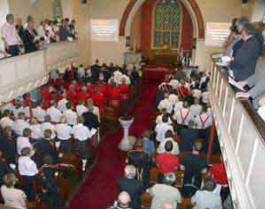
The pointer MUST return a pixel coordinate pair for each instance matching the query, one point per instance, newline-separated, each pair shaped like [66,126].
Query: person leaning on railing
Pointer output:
[244,61]
[256,83]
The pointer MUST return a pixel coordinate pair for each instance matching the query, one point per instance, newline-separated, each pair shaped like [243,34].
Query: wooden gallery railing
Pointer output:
[241,142]
[24,73]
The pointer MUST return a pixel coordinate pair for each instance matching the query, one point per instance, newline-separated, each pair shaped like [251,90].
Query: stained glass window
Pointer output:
[167,19]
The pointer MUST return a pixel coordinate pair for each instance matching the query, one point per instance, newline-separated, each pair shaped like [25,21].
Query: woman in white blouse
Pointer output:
[13,197]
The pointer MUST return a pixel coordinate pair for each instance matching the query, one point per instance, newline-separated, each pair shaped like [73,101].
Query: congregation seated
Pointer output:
[173,151]
[59,133]
[19,39]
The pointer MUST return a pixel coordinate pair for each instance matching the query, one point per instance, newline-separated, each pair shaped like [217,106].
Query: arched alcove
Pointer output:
[191,6]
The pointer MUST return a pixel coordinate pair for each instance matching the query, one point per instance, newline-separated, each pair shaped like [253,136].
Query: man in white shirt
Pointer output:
[27,169]
[161,147]
[161,129]
[204,119]
[47,125]
[23,141]
[183,116]
[12,197]
[70,115]
[178,105]
[159,117]
[205,97]
[196,93]
[165,104]
[20,124]
[82,135]
[196,108]
[95,109]
[64,133]
[81,72]
[207,198]
[166,192]
[39,113]
[6,121]
[62,103]
[173,99]
[36,132]
[81,108]
[10,36]
[54,113]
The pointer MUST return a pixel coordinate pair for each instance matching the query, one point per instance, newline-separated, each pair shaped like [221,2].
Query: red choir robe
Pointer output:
[99,100]
[71,96]
[114,94]
[47,97]
[82,96]
[58,82]
[125,90]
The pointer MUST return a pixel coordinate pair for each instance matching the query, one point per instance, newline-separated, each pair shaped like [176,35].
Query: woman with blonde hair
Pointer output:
[13,197]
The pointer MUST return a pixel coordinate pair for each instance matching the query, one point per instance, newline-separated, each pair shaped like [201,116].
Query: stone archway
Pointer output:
[191,6]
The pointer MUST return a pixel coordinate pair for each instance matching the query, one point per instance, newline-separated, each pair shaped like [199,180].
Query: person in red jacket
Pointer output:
[183,90]
[59,82]
[101,85]
[46,96]
[167,162]
[125,90]
[71,94]
[217,171]
[114,95]
[99,99]
[82,95]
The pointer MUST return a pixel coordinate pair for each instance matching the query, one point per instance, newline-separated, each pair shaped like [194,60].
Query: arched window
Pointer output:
[166,27]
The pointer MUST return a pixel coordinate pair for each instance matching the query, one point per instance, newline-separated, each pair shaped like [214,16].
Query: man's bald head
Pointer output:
[168,206]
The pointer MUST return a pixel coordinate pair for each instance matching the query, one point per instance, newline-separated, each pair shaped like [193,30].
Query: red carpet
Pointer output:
[100,189]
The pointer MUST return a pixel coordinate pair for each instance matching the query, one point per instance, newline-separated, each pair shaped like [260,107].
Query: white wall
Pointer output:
[108,51]
[215,11]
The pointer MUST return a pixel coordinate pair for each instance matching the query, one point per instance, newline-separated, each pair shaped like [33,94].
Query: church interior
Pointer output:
[132,104]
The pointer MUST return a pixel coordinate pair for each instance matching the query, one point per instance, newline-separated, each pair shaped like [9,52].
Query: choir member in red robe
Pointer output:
[125,89]
[99,99]
[114,95]
[82,95]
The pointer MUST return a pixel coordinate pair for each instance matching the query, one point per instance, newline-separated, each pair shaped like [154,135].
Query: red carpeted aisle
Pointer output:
[99,189]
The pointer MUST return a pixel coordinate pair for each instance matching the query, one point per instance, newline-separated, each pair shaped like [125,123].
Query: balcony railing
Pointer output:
[24,73]
[241,141]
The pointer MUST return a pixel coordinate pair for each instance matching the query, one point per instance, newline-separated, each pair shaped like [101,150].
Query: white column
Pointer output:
[200,54]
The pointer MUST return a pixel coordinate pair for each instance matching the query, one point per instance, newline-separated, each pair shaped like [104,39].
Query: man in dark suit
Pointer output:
[244,63]
[45,147]
[134,187]
[142,162]
[188,135]
[90,119]
[194,167]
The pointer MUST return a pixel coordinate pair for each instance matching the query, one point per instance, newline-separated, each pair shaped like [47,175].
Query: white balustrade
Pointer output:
[242,145]
[24,73]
